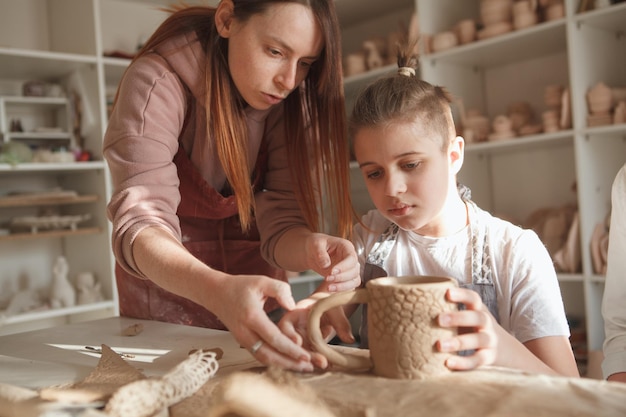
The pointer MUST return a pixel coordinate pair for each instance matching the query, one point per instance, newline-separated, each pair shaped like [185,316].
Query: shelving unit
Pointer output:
[515,177]
[53,42]
[68,42]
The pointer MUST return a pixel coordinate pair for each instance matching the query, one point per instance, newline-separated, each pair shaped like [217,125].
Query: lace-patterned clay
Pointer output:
[147,397]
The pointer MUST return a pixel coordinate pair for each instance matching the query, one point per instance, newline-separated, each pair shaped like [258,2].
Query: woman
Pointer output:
[227,125]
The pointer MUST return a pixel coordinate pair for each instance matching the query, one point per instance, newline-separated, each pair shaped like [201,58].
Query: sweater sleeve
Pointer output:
[139,146]
[277,210]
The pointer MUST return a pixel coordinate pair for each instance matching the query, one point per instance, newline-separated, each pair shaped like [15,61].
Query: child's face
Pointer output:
[407,174]
[271,53]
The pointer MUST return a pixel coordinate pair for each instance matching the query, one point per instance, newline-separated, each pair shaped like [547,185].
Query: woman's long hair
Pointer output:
[315,120]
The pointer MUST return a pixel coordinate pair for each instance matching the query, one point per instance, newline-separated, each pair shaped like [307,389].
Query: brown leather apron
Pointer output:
[212,233]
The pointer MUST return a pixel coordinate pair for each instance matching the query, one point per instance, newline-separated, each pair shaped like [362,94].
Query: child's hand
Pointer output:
[478,331]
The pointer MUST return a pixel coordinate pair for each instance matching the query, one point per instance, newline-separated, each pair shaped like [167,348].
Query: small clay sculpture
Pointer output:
[88,289]
[62,293]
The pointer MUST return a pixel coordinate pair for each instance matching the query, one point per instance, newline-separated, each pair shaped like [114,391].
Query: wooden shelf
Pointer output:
[51,233]
[56,312]
[44,200]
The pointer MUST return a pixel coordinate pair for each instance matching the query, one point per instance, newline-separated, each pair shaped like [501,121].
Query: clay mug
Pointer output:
[402,326]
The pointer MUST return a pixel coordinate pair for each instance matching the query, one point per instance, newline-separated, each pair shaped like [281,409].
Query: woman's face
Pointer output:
[271,53]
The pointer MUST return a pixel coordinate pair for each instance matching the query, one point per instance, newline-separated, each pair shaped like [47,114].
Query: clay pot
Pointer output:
[520,114]
[466,31]
[531,129]
[619,115]
[599,99]
[522,6]
[479,125]
[373,55]
[495,29]
[524,19]
[354,64]
[502,128]
[444,40]
[555,11]
[551,121]
[502,124]
[619,94]
[495,11]
[552,95]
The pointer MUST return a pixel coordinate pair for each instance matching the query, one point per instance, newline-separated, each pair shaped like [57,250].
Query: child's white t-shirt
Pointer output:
[529,300]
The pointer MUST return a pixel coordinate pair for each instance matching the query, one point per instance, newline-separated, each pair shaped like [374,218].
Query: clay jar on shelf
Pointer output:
[444,40]
[475,126]
[523,14]
[555,9]
[502,128]
[466,31]
[354,63]
[495,11]
[599,99]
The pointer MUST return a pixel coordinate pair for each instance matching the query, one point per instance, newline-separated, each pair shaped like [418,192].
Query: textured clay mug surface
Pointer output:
[402,326]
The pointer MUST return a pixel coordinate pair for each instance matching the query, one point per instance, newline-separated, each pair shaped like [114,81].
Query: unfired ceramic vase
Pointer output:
[402,316]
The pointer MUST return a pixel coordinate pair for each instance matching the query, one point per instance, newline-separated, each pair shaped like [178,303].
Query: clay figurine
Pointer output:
[62,293]
[22,302]
[88,289]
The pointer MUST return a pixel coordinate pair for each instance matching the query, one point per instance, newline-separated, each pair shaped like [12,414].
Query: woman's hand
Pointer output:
[334,259]
[237,300]
[477,328]
[240,308]
[294,324]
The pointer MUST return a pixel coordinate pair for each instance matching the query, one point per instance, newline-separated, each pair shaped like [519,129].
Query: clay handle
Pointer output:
[358,296]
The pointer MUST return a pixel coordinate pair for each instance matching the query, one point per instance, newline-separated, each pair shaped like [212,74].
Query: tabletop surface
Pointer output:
[68,353]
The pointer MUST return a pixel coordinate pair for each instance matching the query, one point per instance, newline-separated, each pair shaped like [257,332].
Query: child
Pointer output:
[406,147]
[405,143]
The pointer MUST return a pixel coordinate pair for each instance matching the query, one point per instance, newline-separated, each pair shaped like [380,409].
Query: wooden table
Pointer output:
[65,354]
